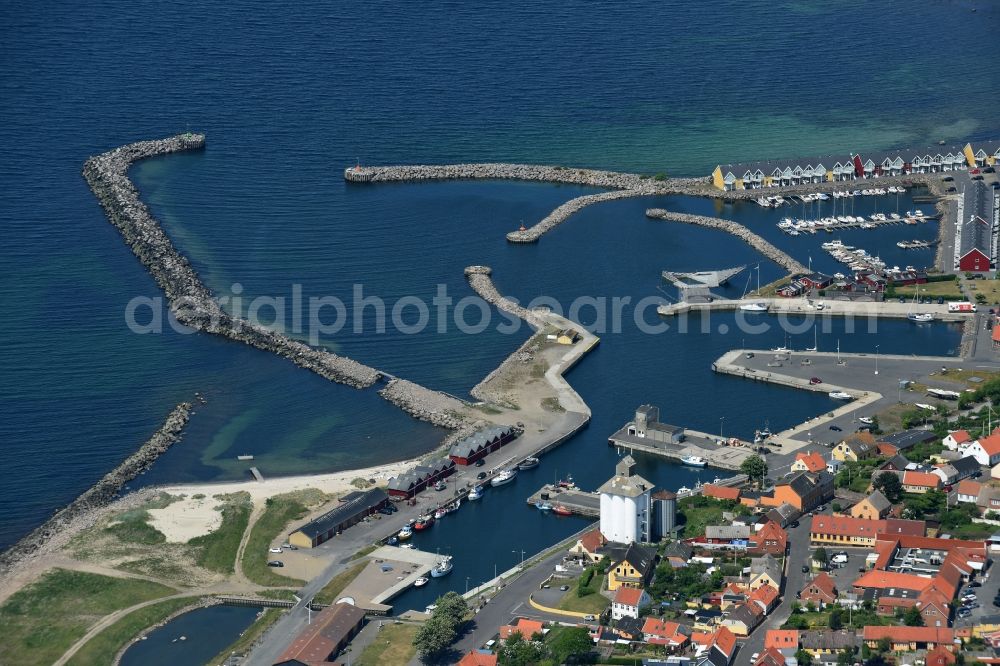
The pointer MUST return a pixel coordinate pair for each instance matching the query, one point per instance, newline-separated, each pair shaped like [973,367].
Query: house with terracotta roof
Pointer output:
[933,606]
[765,596]
[782,639]
[985,450]
[477,658]
[810,461]
[909,639]
[720,492]
[968,491]
[803,490]
[770,657]
[939,656]
[769,538]
[859,446]
[628,602]
[873,507]
[919,482]
[522,625]
[851,531]
[954,440]
[671,635]
[821,590]
[589,544]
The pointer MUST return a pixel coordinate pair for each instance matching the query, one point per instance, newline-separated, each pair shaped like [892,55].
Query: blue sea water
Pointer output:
[289,95]
[206,632]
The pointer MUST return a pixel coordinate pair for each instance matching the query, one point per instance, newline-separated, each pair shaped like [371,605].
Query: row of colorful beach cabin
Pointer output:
[414,480]
[469,449]
[776,173]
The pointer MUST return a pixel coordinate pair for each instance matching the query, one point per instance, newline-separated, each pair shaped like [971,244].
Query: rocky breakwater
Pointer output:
[481,282]
[764,247]
[190,300]
[426,405]
[81,511]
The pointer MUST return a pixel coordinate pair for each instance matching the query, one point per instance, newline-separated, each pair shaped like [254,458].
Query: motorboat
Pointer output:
[453,507]
[568,482]
[442,568]
[504,477]
[423,523]
[840,395]
[683,490]
[543,506]
[920,317]
[867,420]
[440,513]
[694,461]
[420,582]
[528,463]
[475,493]
[408,546]
[759,306]
[560,510]
[405,533]
[924,405]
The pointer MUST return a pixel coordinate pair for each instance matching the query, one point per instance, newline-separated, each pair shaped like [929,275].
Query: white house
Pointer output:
[968,491]
[986,451]
[956,440]
[833,466]
[626,505]
[628,602]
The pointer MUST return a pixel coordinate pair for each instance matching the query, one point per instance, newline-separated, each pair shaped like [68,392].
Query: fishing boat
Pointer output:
[840,395]
[920,317]
[568,482]
[683,490]
[475,493]
[405,533]
[759,306]
[442,568]
[694,461]
[528,463]
[560,510]
[245,456]
[420,582]
[453,507]
[440,513]
[423,523]
[504,477]
[543,506]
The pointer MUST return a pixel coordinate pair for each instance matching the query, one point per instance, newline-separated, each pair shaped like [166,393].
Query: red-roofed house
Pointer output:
[782,639]
[527,628]
[770,657]
[628,602]
[768,539]
[663,632]
[933,606]
[851,531]
[939,657]
[720,492]
[821,590]
[920,482]
[956,440]
[909,639]
[968,490]
[810,461]
[986,451]
[588,544]
[475,658]
[724,640]
[765,596]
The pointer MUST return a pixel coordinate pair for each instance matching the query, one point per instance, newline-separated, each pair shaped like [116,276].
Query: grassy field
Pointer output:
[41,621]
[253,632]
[217,549]
[102,648]
[392,645]
[988,288]
[279,512]
[331,591]
[593,603]
[948,290]
[700,511]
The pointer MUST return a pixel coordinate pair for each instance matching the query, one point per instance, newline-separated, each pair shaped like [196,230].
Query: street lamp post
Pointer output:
[522,556]
[466,584]
[876,359]
[722,423]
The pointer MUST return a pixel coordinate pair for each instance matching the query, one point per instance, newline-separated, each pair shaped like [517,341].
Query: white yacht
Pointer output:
[760,306]
[694,461]
[840,395]
[503,477]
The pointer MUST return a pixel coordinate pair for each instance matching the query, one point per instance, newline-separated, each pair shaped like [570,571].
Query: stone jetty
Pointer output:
[625,185]
[424,404]
[190,300]
[753,240]
[104,491]
[481,282]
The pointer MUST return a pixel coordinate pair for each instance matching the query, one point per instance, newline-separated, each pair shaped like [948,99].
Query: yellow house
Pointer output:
[634,569]
[765,570]
[873,507]
[859,446]
[970,156]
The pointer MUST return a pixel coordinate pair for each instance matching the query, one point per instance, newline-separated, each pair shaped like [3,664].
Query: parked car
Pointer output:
[481,476]
[794,523]
[275,563]
[815,380]
[836,427]
[563,588]
[805,569]
[589,618]
[750,354]
[480,462]
[964,612]
[975,583]
[274,550]
[940,300]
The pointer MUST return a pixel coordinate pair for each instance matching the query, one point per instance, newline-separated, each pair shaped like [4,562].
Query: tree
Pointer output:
[819,555]
[810,606]
[452,607]
[845,657]
[571,646]
[836,618]
[912,617]
[804,658]
[888,483]
[518,652]
[434,637]
[755,468]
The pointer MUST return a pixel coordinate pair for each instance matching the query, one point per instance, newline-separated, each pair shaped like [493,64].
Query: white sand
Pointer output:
[185,519]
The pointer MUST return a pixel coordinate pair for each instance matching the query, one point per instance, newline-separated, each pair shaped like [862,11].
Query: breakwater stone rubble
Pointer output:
[84,508]
[779,257]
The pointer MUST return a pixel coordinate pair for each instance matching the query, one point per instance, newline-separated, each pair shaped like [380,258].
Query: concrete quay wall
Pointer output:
[755,241]
[103,492]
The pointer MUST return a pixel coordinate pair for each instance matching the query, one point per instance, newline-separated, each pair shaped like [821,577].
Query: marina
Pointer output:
[829,224]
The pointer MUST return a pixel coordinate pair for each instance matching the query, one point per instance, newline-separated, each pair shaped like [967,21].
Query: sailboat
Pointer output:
[784,347]
[815,346]
[918,317]
[759,306]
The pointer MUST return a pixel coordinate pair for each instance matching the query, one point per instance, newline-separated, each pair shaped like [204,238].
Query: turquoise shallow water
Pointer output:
[288,96]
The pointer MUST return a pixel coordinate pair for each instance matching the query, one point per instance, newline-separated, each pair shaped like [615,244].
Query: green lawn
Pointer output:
[102,648]
[217,549]
[593,603]
[331,591]
[280,511]
[253,632]
[697,512]
[41,621]
[392,645]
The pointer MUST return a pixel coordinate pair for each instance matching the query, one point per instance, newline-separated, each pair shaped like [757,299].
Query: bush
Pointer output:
[660,176]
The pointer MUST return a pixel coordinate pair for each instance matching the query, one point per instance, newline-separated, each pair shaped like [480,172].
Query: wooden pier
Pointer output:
[255,473]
